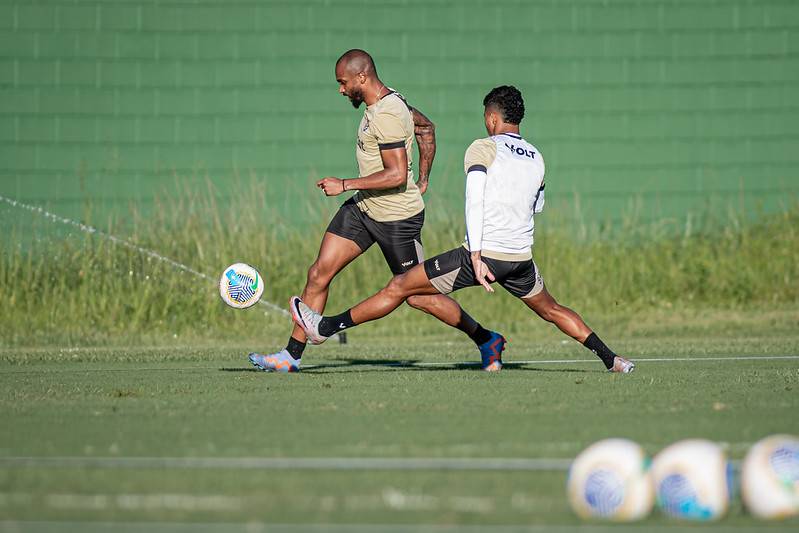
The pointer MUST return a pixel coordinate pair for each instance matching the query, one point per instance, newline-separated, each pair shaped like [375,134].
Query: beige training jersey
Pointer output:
[387,124]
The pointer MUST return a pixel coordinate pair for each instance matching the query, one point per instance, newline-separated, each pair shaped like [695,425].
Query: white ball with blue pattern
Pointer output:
[693,480]
[610,480]
[770,478]
[240,286]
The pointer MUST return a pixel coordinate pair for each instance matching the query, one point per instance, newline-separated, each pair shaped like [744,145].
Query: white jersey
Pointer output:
[504,189]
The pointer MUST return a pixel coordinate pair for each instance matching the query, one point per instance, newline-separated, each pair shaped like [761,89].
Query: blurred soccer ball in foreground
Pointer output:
[693,480]
[610,479]
[770,478]
[240,286]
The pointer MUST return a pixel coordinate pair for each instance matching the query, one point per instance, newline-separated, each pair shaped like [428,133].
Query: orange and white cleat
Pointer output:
[281,361]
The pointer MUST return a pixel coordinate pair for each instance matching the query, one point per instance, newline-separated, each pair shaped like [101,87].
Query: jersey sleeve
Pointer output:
[538,204]
[475,209]
[390,130]
[480,155]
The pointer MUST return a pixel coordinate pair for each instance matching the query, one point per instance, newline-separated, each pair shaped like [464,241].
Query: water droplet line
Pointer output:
[52,217]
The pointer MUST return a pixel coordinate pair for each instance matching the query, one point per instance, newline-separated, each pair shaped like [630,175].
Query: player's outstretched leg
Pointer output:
[573,325]
[335,253]
[319,328]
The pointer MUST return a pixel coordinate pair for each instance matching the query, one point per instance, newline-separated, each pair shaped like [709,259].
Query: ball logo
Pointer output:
[604,492]
[770,478]
[785,462]
[240,286]
[678,498]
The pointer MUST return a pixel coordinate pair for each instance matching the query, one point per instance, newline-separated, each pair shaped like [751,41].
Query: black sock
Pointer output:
[475,331]
[295,348]
[333,324]
[480,335]
[594,344]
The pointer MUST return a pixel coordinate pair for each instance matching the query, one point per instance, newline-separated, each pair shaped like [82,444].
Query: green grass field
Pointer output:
[126,395]
[401,399]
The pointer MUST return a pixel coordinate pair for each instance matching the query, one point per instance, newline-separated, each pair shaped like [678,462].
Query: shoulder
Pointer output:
[481,152]
[483,144]
[394,104]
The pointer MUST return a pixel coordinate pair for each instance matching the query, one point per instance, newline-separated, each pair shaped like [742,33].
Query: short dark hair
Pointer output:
[358,60]
[508,100]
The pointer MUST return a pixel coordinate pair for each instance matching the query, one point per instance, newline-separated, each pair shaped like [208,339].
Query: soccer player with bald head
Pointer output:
[387,208]
[504,191]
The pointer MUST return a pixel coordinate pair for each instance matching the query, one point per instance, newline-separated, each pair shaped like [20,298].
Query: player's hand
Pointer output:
[481,273]
[331,186]
[422,183]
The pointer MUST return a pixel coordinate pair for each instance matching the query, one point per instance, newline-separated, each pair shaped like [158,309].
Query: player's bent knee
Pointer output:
[319,276]
[396,287]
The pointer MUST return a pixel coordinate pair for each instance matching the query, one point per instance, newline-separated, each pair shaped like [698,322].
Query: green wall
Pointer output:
[672,102]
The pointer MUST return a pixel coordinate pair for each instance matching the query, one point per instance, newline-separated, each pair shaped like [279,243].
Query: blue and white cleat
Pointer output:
[307,319]
[281,361]
[491,352]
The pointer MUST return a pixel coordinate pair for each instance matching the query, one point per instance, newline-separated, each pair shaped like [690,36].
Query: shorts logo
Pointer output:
[435,264]
[360,145]
[407,263]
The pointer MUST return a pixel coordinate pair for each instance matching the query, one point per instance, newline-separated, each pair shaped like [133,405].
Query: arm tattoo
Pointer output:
[425,132]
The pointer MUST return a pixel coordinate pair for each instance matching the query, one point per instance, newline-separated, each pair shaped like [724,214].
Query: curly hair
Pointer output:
[508,100]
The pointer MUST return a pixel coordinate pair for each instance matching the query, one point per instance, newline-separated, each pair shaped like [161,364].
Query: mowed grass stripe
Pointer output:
[541,464]
[355,365]
[257,527]
[291,463]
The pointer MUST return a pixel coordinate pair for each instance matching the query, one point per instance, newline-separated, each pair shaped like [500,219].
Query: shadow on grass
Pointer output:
[340,366]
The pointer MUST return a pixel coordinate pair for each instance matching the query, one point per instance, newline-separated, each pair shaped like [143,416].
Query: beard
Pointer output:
[356,98]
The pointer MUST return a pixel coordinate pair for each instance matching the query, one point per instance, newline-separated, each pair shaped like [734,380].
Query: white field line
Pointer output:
[575,361]
[126,243]
[290,463]
[145,502]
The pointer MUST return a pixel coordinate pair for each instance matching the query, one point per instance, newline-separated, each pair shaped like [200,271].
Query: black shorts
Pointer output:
[453,270]
[400,240]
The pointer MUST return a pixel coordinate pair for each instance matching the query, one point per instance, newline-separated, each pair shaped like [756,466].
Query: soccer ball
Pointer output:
[240,286]
[770,477]
[693,480]
[610,480]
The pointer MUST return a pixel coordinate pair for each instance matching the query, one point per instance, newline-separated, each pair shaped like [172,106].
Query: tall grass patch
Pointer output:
[62,286]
